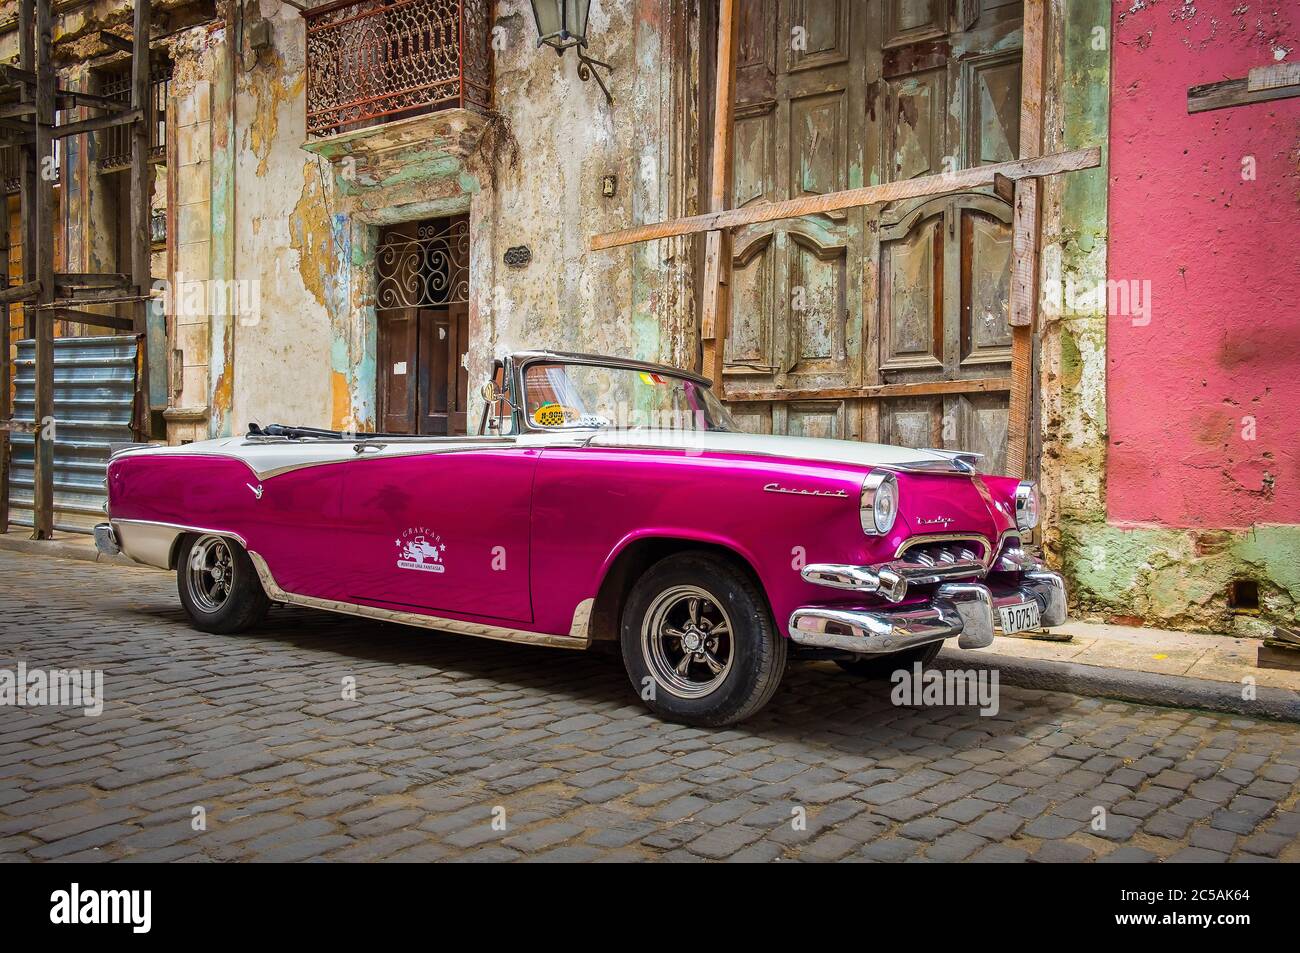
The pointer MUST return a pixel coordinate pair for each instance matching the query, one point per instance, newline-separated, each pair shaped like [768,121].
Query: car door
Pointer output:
[441,529]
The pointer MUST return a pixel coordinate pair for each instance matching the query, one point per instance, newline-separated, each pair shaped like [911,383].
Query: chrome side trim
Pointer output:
[151,543]
[578,637]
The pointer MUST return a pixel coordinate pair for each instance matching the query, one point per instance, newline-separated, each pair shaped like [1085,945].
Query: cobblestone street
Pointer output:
[448,734]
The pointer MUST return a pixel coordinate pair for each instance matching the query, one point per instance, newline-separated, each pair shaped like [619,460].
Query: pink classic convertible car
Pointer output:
[603,499]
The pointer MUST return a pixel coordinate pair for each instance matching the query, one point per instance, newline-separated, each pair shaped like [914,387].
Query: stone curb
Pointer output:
[13,542]
[1146,688]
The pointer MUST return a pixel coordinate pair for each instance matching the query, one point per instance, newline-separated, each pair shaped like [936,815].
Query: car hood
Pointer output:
[805,449]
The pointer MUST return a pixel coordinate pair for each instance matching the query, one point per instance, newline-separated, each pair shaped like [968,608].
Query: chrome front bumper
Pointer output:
[106,539]
[966,610]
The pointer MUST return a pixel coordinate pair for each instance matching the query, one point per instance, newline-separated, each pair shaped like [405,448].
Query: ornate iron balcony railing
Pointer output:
[373,61]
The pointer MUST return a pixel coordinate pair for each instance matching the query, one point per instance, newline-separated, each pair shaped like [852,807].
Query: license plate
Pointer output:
[1020,617]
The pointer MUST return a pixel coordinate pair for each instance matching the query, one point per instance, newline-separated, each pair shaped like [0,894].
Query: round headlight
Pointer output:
[1026,506]
[879,503]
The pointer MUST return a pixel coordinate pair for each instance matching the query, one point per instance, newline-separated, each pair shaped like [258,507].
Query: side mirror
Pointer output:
[491,393]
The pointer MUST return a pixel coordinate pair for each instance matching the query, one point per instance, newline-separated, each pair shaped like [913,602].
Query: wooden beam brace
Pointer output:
[984,385]
[1004,188]
[1023,306]
[28,289]
[17,110]
[716,305]
[89,317]
[16,74]
[41,190]
[93,280]
[99,122]
[114,42]
[1237,92]
[72,98]
[926,185]
[141,192]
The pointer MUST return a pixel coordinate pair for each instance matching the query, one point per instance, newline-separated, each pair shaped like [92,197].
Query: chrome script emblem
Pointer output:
[778,488]
[935,521]
[257,490]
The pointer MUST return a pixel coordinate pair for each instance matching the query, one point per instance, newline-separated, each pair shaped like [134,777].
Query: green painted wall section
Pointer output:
[1182,578]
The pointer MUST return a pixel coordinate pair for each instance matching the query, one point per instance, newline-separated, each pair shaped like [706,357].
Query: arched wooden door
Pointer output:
[878,323]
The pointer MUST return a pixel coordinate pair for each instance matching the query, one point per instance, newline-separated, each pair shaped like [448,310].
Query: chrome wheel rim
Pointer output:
[687,640]
[210,575]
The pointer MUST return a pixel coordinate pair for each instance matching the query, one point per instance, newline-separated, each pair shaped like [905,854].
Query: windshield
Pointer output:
[561,396]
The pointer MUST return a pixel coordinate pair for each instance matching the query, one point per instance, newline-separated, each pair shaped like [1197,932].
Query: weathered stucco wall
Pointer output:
[623,301]
[304,223]
[1202,468]
[279,222]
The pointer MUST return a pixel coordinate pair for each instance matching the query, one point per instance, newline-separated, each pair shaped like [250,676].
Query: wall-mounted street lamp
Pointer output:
[562,24]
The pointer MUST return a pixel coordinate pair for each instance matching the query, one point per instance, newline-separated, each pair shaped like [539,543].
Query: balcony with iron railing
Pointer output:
[371,62]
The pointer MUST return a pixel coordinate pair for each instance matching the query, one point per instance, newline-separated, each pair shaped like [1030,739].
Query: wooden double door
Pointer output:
[881,323]
[423,313]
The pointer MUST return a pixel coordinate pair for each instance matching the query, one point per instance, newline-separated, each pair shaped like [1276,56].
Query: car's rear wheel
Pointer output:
[698,641]
[218,585]
[883,666]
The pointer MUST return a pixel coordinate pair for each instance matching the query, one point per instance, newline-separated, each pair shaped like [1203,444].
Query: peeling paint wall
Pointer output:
[621,301]
[307,213]
[1072,334]
[1202,465]
[281,237]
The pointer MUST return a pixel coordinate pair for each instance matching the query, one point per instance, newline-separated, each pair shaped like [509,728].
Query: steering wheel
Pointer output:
[552,414]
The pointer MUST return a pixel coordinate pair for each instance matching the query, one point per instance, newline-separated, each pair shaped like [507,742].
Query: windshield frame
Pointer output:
[520,364]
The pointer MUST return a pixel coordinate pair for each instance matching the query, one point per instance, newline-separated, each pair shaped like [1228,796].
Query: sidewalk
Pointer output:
[1149,666]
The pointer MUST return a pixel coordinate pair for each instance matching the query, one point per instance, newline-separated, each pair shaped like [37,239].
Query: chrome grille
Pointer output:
[923,552]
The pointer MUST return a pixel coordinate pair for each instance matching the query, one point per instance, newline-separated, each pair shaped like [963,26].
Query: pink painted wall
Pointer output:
[1223,257]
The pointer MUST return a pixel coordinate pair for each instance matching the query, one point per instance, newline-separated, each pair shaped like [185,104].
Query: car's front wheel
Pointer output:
[218,585]
[698,641]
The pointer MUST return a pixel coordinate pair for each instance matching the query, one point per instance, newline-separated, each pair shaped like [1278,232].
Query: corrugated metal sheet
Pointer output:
[94,391]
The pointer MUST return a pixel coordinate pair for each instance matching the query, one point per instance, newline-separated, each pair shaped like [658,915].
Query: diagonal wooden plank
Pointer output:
[979,177]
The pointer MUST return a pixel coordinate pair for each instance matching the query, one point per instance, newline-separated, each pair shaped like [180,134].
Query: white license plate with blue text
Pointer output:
[1020,617]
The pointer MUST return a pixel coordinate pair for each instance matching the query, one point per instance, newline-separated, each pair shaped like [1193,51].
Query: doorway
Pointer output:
[888,322]
[422,306]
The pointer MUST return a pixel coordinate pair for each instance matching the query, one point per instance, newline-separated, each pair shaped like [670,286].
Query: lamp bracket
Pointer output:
[585,72]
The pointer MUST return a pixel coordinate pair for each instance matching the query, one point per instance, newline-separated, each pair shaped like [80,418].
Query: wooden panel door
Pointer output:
[948,95]
[398,368]
[797,318]
[833,95]
[444,379]
[943,304]
[422,289]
